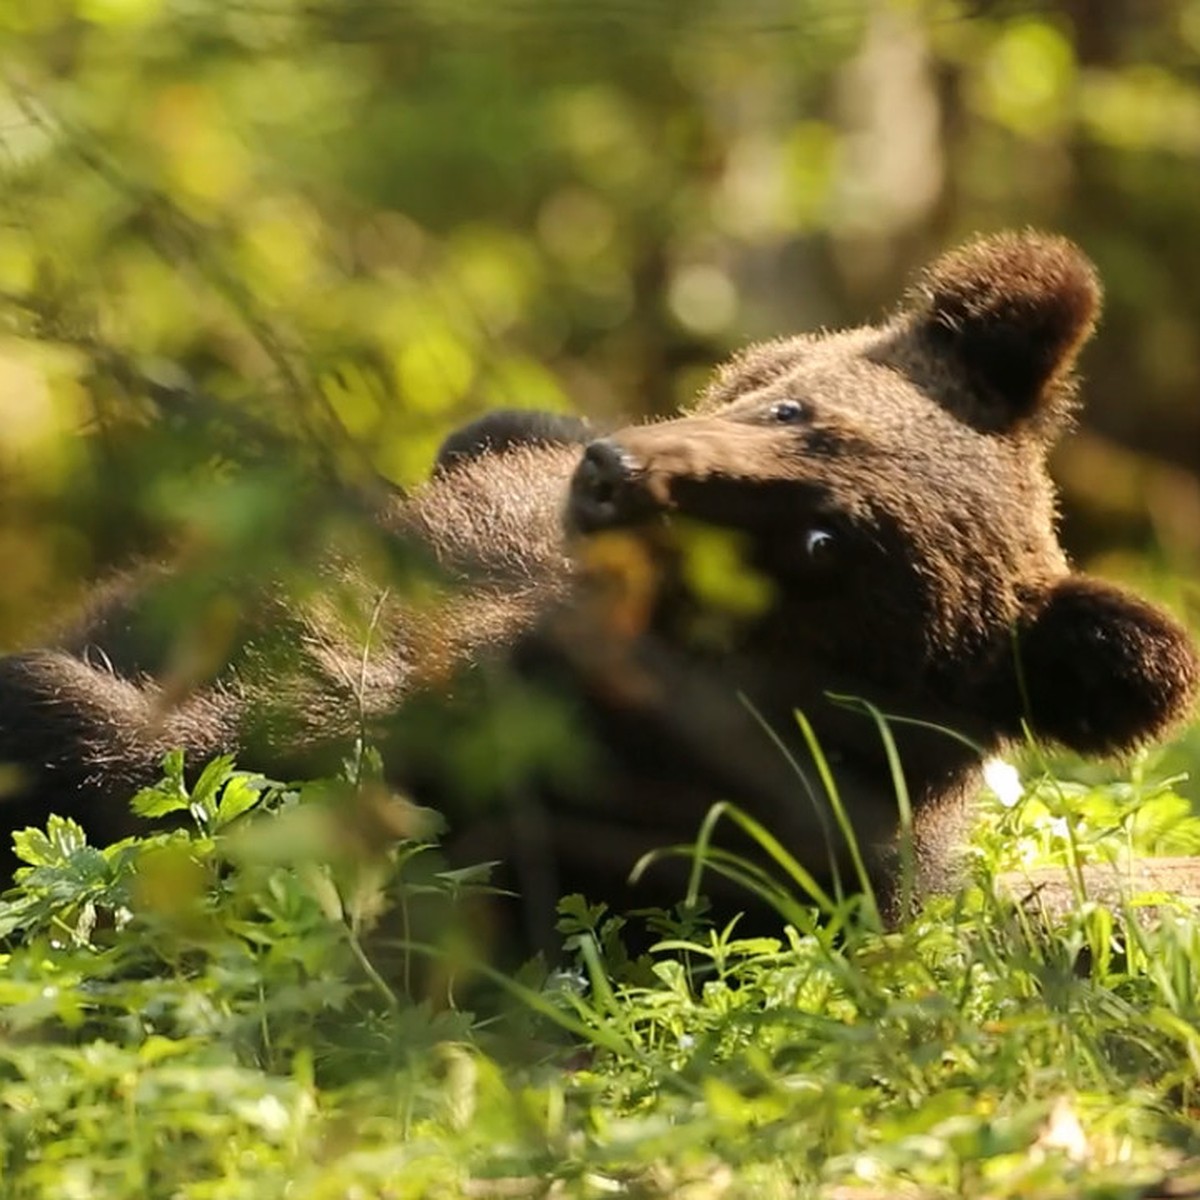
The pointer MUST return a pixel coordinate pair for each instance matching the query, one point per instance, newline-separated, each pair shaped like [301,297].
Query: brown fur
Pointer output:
[887,487]
[922,450]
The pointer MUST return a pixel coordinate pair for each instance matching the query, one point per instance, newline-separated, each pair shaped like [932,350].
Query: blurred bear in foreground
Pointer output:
[856,526]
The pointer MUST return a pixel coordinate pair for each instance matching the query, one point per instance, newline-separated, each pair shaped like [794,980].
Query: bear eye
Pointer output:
[820,547]
[787,412]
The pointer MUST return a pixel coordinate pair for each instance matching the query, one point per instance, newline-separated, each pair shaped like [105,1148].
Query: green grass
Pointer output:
[193,1015]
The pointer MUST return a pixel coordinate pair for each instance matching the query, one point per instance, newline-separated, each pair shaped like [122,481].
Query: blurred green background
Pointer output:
[310,236]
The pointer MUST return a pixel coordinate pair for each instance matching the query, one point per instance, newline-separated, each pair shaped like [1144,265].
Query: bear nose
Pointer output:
[602,490]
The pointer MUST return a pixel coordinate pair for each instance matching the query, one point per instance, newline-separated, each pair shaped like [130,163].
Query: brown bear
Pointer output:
[847,525]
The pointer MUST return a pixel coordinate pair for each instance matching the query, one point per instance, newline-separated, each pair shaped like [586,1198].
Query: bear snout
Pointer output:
[605,492]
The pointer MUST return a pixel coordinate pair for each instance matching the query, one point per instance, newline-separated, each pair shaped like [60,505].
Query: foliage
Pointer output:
[184,1016]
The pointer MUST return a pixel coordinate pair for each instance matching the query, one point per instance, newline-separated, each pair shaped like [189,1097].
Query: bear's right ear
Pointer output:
[1007,315]
[506,429]
[1097,669]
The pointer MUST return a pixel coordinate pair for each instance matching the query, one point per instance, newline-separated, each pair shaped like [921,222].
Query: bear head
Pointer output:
[890,485]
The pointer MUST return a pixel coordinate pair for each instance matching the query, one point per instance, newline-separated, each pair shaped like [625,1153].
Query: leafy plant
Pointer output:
[186,1014]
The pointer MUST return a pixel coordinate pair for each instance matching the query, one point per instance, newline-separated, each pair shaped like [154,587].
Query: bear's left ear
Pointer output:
[1008,316]
[1097,669]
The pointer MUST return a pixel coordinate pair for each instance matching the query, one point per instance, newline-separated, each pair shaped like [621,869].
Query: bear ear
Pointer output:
[506,429]
[1009,315]
[1099,670]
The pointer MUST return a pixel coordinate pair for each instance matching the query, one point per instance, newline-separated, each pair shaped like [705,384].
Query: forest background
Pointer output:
[308,237]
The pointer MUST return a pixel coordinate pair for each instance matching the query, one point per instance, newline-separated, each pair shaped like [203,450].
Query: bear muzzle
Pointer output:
[606,490]
[726,473]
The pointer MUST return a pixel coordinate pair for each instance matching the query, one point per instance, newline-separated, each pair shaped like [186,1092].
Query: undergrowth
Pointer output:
[259,1002]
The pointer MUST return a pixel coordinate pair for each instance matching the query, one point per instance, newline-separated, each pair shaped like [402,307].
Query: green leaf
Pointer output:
[169,795]
[214,776]
[576,915]
[53,848]
[241,793]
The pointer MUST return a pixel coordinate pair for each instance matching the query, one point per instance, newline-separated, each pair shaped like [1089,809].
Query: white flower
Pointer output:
[1004,781]
[268,1113]
[566,980]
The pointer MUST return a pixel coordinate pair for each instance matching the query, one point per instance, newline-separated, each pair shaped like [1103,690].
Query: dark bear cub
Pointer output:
[856,526]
